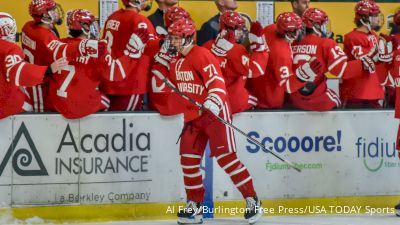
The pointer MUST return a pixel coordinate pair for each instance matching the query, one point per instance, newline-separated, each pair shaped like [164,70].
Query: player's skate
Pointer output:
[191,214]
[253,209]
[397,209]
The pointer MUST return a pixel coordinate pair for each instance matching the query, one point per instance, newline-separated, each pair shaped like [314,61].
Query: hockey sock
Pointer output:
[192,177]
[238,172]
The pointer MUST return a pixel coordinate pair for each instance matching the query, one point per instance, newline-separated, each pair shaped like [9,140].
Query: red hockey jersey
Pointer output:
[74,93]
[367,86]
[197,75]
[15,72]
[333,60]
[279,78]
[237,66]
[118,29]
[42,47]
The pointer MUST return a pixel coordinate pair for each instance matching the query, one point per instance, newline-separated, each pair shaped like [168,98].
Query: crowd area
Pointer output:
[165,63]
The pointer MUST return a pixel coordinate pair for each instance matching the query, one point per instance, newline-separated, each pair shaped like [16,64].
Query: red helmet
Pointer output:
[314,16]
[39,7]
[232,20]
[365,8]
[396,18]
[8,27]
[288,22]
[79,19]
[182,28]
[174,13]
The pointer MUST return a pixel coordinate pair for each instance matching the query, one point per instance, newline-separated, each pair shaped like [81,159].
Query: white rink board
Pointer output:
[79,157]
[123,158]
[339,169]
[5,167]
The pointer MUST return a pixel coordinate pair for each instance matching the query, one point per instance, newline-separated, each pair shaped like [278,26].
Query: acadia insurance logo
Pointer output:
[24,155]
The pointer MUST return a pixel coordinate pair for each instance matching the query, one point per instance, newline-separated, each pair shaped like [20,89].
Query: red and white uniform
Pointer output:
[126,95]
[15,73]
[367,86]
[198,76]
[74,93]
[42,47]
[237,66]
[333,60]
[394,77]
[279,78]
[161,97]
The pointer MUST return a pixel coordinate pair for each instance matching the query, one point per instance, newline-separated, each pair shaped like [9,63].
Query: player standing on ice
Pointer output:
[127,95]
[315,95]
[282,76]
[74,92]
[42,47]
[15,73]
[196,73]
[236,63]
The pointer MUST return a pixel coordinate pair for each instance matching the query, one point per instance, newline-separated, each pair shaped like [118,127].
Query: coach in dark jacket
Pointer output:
[157,18]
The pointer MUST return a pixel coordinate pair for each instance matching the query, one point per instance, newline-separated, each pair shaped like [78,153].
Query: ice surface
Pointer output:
[276,220]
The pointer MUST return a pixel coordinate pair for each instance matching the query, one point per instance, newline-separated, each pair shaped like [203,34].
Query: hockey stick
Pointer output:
[172,86]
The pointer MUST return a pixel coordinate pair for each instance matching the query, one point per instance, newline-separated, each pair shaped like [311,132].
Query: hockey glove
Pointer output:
[223,43]
[385,50]
[211,104]
[368,63]
[256,38]
[136,44]
[93,48]
[163,56]
[309,70]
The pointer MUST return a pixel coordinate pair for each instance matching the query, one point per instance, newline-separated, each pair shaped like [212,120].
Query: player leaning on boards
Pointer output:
[74,92]
[394,78]
[15,73]
[282,76]
[236,63]
[315,95]
[196,73]
[161,97]
[127,95]
[42,47]
[366,90]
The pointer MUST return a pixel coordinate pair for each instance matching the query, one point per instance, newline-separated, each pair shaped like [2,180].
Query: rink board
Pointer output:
[126,166]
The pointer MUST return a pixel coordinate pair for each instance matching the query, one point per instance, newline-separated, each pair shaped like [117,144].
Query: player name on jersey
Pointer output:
[28,42]
[305,49]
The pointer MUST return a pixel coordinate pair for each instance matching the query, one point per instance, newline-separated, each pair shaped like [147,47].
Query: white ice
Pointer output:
[275,220]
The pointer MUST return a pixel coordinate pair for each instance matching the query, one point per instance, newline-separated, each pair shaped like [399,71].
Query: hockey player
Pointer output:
[236,63]
[197,74]
[282,77]
[127,95]
[396,36]
[395,78]
[161,96]
[42,47]
[16,73]
[316,96]
[366,90]
[74,93]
